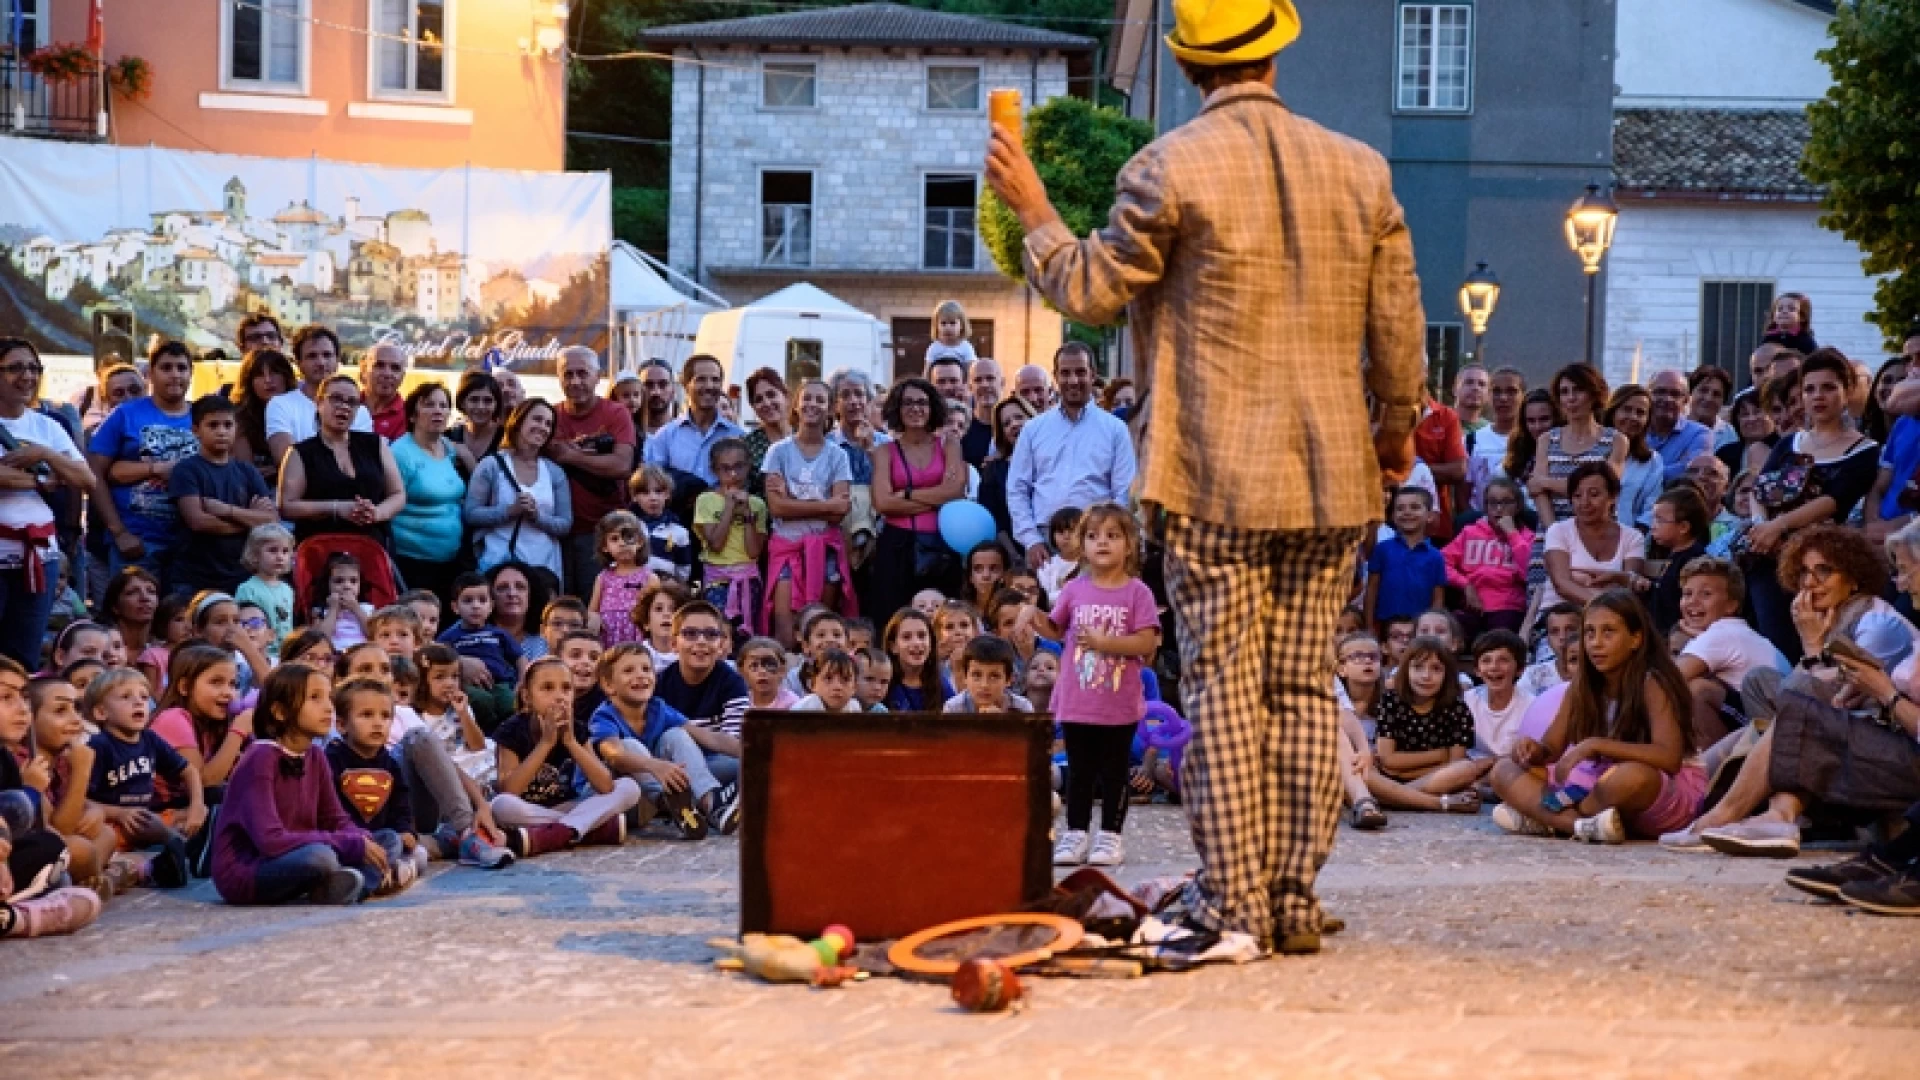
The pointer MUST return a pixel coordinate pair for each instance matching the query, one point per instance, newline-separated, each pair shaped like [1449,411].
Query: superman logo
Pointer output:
[366,790]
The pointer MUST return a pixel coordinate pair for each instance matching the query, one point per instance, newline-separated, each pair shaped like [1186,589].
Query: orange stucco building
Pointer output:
[425,83]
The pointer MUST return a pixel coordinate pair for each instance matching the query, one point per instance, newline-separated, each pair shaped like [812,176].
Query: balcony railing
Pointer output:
[33,106]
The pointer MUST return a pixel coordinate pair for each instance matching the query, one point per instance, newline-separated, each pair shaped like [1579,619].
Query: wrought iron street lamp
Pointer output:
[1590,223]
[1479,294]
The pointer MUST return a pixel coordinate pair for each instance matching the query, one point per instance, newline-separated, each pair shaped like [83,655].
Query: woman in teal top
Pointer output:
[427,534]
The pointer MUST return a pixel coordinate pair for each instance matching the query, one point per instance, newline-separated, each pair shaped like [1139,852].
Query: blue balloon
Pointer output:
[965,525]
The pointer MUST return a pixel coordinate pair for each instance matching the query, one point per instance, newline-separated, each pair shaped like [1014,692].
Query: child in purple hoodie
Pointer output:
[282,834]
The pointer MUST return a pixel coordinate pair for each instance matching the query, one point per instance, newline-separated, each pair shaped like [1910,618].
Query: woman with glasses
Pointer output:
[1812,477]
[40,458]
[913,477]
[341,480]
[518,503]
[1848,742]
[428,530]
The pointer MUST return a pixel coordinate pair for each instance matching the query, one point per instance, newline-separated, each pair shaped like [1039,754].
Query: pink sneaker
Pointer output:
[61,911]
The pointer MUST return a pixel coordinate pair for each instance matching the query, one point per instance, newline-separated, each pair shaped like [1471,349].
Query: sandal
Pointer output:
[1367,815]
[1465,802]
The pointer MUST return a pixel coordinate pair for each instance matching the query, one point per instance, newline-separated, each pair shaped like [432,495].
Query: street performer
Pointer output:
[1251,250]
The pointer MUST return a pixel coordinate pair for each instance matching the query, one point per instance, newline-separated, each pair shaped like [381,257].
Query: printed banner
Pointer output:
[457,266]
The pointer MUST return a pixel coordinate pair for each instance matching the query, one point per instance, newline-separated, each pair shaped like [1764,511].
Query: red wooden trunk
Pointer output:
[891,823]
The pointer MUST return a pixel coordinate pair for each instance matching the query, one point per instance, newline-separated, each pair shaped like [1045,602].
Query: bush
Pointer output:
[1078,148]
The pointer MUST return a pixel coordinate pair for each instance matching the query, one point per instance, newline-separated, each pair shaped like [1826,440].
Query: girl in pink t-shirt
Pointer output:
[1110,626]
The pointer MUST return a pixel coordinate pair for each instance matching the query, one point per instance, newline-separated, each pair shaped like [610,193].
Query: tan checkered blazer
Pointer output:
[1259,257]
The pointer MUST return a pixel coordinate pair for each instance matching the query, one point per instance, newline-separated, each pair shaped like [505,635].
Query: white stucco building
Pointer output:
[1715,216]
[844,147]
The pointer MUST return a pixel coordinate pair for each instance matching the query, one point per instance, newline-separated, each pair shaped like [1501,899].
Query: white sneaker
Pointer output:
[1518,823]
[1604,827]
[1072,848]
[1108,850]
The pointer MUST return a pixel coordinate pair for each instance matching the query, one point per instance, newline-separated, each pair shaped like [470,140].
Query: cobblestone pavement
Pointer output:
[1469,954]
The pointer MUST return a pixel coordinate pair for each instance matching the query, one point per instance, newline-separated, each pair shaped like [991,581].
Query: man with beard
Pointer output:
[1073,455]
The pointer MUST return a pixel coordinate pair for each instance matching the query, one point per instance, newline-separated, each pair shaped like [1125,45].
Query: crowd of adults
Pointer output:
[478,476]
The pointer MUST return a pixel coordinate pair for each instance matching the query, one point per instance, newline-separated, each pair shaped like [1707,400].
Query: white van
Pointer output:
[801,332]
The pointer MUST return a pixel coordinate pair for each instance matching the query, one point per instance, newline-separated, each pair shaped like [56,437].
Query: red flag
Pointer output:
[97,27]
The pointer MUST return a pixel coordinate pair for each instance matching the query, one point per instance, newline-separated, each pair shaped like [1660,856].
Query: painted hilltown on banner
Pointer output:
[454,265]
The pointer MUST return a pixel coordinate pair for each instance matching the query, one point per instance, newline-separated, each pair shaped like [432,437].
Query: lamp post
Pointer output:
[1590,223]
[1479,293]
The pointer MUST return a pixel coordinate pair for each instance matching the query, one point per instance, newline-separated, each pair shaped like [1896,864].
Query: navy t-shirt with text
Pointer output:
[123,772]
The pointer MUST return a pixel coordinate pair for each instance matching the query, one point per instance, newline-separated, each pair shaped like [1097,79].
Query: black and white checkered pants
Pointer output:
[1261,781]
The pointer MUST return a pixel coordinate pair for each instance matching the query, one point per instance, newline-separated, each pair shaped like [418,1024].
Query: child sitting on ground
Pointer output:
[282,834]
[426,607]
[821,631]
[1396,634]
[372,788]
[1003,621]
[669,544]
[127,758]
[1625,720]
[621,542]
[873,671]
[645,739]
[763,663]
[1424,733]
[443,708]
[1681,526]
[986,569]
[918,683]
[986,670]
[554,791]
[1563,638]
[1356,686]
[493,648]
[1498,704]
[835,678]
[860,635]
[927,602]
[564,615]
[733,531]
[1063,535]
[59,761]
[654,615]
[581,652]
[1043,673]
[955,624]
[396,629]
[35,898]
[1722,648]
[171,627]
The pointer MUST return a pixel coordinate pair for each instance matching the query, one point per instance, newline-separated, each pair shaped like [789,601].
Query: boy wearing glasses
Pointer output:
[709,693]
[220,500]
[733,530]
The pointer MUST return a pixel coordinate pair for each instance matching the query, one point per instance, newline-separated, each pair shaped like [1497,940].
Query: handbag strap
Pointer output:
[506,467]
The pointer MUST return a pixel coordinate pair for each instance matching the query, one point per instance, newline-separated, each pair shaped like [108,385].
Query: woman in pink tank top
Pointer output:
[913,477]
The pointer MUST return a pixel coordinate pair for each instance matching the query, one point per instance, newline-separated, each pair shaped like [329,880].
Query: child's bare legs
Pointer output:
[1628,787]
[1425,792]
[84,861]
[1351,779]
[1708,695]
[781,603]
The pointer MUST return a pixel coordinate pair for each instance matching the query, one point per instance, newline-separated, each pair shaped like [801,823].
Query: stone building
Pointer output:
[844,147]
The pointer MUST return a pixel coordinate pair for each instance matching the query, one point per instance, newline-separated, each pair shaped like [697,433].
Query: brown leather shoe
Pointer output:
[1301,944]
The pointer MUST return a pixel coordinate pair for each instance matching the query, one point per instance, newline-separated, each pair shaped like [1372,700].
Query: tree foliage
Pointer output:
[1078,149]
[1865,149]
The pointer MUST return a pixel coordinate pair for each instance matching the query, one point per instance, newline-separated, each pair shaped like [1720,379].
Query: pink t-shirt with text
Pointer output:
[1094,687]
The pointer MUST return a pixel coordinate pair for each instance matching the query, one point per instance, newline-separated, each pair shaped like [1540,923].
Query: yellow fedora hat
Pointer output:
[1216,32]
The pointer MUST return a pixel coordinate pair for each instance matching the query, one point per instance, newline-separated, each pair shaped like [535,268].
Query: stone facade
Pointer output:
[869,141]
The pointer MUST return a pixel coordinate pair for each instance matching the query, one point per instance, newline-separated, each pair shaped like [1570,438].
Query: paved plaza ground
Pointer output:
[1470,953]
